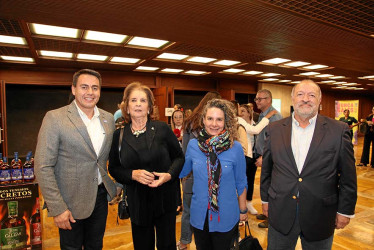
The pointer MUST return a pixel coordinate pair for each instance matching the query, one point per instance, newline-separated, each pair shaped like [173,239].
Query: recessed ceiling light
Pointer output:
[200,59]
[270,79]
[309,73]
[226,62]
[276,60]
[17,58]
[315,66]
[92,57]
[296,64]
[12,40]
[359,88]
[324,75]
[337,77]
[252,72]
[341,87]
[336,83]
[145,68]
[233,70]
[295,82]
[270,74]
[56,54]
[50,30]
[285,81]
[368,77]
[124,60]
[351,84]
[172,56]
[104,36]
[147,42]
[196,72]
[329,81]
[168,70]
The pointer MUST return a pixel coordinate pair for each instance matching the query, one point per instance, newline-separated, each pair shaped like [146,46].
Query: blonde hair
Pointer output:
[126,94]
[231,124]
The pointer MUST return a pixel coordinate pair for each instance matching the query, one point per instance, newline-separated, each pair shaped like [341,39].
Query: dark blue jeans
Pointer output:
[88,232]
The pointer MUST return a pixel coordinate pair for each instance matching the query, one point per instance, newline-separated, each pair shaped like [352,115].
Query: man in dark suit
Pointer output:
[70,164]
[308,177]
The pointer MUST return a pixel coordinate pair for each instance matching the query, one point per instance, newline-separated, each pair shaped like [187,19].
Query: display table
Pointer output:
[20,226]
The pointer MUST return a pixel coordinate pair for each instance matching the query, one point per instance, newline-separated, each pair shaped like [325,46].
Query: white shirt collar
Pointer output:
[311,120]
[82,114]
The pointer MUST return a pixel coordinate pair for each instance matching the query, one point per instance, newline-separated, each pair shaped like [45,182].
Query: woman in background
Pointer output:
[191,129]
[218,164]
[149,164]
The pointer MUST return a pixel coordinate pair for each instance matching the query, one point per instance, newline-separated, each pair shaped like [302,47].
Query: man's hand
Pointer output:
[341,221]
[63,220]
[259,162]
[265,209]
[143,176]
[162,178]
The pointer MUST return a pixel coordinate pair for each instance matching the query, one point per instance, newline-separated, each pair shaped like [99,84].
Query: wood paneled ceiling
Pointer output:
[336,33]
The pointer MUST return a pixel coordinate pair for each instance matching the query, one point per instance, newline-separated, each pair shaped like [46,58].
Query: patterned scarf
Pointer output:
[212,146]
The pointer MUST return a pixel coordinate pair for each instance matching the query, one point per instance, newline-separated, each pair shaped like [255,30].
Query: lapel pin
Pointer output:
[153,128]
[105,121]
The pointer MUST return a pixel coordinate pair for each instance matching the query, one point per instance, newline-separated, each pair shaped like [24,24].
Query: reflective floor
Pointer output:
[359,234]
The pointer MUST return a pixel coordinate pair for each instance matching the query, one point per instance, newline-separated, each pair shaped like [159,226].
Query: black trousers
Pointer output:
[251,174]
[206,240]
[88,232]
[144,236]
[368,139]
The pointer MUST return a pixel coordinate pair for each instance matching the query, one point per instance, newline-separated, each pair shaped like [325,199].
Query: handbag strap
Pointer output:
[245,235]
[120,143]
[245,230]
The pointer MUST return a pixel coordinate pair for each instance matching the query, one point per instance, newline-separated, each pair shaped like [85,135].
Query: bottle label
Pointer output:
[36,233]
[28,173]
[16,174]
[13,238]
[4,175]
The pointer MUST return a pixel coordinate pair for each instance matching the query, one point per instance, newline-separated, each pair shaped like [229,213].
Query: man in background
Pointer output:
[70,164]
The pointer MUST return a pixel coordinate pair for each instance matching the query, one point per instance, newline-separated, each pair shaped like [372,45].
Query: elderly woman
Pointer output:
[220,184]
[148,164]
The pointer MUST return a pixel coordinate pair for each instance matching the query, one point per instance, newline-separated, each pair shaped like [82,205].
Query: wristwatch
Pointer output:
[243,211]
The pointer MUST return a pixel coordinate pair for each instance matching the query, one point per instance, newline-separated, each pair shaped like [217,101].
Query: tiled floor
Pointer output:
[359,234]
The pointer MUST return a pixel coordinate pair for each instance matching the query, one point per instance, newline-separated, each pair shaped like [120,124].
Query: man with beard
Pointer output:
[308,177]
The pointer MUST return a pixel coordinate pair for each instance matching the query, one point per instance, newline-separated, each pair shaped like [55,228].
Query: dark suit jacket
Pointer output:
[166,155]
[326,185]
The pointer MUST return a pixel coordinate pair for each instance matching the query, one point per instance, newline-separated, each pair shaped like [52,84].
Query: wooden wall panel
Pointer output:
[189,83]
[282,92]
[245,87]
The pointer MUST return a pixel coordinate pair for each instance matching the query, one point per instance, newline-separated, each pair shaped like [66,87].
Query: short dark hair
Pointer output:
[86,72]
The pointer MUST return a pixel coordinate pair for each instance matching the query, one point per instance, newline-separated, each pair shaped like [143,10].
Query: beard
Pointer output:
[306,109]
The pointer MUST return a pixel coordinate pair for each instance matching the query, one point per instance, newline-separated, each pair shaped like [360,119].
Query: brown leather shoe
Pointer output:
[261,217]
[264,224]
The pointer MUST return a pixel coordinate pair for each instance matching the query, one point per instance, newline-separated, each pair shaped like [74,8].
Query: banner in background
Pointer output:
[352,106]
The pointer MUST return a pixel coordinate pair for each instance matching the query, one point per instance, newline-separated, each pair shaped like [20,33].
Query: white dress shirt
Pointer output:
[95,131]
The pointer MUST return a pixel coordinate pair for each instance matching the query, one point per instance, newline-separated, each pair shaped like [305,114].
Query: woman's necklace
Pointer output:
[138,132]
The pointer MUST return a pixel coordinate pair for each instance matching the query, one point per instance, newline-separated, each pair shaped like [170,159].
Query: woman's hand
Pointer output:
[162,178]
[243,217]
[143,176]
[271,113]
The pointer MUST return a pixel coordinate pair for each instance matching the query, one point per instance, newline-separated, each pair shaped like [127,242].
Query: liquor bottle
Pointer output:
[36,228]
[16,170]
[13,229]
[5,174]
[28,169]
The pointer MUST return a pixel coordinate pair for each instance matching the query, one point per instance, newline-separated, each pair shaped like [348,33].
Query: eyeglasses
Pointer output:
[260,99]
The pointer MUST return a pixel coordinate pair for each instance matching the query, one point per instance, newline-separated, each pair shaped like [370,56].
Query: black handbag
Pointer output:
[248,242]
[123,206]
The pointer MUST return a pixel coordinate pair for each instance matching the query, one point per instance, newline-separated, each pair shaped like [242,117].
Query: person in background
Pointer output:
[192,128]
[368,139]
[308,176]
[155,114]
[187,113]
[218,164]
[242,134]
[177,126]
[349,120]
[71,165]
[251,168]
[263,101]
[151,160]
[255,115]
[178,107]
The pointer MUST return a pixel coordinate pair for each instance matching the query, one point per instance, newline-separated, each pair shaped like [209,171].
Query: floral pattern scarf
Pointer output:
[212,146]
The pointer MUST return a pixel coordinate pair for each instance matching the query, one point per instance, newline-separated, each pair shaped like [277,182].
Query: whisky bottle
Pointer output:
[36,228]
[5,175]
[28,169]
[13,229]
[16,170]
